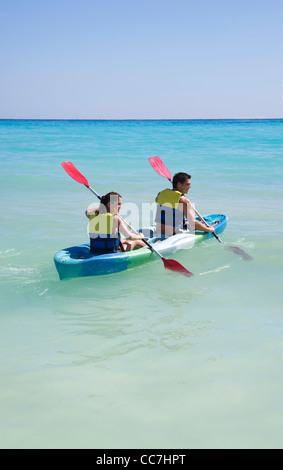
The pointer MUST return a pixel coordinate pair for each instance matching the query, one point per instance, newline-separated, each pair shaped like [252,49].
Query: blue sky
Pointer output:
[122,59]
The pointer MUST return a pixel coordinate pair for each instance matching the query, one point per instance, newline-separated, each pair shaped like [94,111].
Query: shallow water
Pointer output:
[145,358]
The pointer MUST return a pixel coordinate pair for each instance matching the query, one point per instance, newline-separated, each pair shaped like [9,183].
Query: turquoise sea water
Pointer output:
[145,358]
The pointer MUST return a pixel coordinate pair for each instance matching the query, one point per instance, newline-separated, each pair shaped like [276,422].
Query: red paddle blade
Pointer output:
[74,173]
[176,267]
[158,165]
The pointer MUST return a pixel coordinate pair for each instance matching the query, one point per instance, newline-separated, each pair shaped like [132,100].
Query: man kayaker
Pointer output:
[105,227]
[174,211]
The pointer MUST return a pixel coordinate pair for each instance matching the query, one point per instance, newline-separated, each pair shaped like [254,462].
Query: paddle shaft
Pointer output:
[94,192]
[204,221]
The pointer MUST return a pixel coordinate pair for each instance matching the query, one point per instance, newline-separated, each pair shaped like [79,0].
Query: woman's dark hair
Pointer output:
[106,199]
[180,178]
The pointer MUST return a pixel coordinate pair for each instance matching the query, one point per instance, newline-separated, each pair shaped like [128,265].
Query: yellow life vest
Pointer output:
[168,213]
[104,234]
[101,224]
[169,198]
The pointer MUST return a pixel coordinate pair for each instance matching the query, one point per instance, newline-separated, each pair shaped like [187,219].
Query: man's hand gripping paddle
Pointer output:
[168,263]
[161,169]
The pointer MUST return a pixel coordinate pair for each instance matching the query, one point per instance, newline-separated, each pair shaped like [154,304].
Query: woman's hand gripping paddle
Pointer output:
[168,263]
[161,169]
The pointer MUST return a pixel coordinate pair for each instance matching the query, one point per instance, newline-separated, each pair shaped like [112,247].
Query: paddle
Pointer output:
[161,169]
[168,263]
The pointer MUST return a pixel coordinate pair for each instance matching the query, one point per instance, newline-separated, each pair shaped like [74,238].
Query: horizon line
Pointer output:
[146,119]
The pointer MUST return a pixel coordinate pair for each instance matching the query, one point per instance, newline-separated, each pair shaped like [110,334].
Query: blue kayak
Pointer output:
[78,261]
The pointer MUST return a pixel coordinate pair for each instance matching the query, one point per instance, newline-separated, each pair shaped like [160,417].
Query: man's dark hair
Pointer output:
[180,178]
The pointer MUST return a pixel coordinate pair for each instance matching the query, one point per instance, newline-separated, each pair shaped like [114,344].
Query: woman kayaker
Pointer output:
[105,227]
